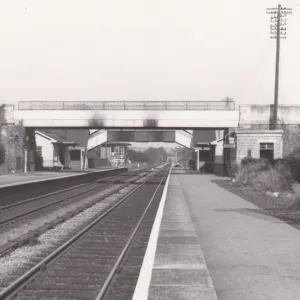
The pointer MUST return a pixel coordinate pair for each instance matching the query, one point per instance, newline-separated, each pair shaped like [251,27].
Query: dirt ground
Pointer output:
[283,207]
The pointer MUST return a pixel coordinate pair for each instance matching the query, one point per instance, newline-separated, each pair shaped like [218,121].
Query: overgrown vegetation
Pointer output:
[264,175]
[291,137]
[281,175]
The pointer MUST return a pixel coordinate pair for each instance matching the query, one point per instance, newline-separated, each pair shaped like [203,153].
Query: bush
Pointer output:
[294,154]
[2,154]
[255,165]
[248,160]
[234,169]
[264,175]
[293,165]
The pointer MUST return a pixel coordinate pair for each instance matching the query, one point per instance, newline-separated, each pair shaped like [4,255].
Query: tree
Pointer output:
[151,155]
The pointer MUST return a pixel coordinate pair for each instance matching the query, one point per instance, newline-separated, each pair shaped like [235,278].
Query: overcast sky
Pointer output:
[145,50]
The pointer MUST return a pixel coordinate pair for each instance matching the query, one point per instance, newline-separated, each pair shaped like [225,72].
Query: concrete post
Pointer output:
[197,160]
[86,160]
[106,156]
[25,161]
[81,159]
[26,150]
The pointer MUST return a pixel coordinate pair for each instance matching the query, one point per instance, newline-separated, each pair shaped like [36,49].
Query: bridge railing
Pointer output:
[126,105]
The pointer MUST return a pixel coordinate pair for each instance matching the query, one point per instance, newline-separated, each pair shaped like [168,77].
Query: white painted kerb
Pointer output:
[144,280]
[48,178]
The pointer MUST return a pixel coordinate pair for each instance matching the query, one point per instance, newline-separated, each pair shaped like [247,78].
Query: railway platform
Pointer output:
[208,243]
[24,178]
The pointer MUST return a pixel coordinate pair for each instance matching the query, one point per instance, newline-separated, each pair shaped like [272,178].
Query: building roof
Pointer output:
[55,137]
[78,136]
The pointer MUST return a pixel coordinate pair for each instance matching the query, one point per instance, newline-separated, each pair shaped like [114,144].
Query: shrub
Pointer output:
[2,154]
[264,176]
[234,169]
[294,155]
[247,160]
[256,165]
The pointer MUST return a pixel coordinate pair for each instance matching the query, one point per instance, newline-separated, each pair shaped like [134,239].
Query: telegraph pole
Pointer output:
[278,31]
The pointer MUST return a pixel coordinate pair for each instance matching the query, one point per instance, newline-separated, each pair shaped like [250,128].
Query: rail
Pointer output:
[126,105]
[25,279]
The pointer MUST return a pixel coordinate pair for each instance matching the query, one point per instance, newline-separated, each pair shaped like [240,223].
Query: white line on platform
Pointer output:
[37,180]
[144,280]
[47,178]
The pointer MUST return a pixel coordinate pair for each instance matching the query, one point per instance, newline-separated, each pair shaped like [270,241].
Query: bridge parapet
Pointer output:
[126,105]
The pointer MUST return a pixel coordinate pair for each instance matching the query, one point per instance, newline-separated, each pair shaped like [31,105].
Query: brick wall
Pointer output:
[251,139]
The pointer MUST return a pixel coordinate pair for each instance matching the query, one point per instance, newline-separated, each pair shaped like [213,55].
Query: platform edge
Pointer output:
[144,279]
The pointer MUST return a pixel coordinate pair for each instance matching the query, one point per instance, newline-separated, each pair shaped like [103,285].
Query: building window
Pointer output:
[266,150]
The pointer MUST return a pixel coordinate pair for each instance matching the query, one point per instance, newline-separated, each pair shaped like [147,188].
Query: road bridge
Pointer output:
[171,118]
[133,115]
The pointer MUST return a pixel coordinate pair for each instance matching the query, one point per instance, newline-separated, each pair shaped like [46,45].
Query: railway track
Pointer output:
[23,210]
[15,200]
[17,193]
[78,198]
[89,264]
